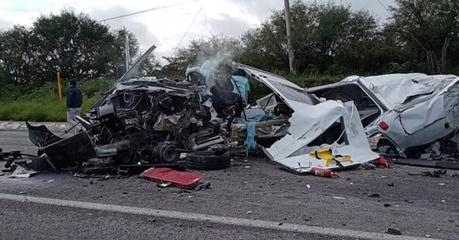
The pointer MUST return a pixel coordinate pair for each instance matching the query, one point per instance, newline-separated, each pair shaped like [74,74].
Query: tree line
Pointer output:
[332,39]
[79,46]
[328,39]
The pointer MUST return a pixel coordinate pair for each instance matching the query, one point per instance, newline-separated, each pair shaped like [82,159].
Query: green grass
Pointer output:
[44,109]
[42,104]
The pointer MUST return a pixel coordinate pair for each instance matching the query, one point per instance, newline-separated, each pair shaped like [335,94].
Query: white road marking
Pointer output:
[197,217]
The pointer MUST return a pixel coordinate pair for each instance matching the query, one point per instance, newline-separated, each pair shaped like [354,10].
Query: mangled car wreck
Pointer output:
[326,134]
[403,114]
[144,121]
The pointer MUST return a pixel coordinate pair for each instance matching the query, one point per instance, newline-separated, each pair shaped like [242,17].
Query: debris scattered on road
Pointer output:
[338,198]
[185,180]
[393,231]
[316,171]
[382,162]
[435,173]
[447,163]
[202,186]
[21,172]
[368,166]
[374,195]
[164,184]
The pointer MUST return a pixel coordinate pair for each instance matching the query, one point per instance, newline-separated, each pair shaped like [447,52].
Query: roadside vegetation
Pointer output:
[331,41]
[42,103]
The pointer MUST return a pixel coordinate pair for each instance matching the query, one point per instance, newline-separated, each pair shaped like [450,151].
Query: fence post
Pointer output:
[59,85]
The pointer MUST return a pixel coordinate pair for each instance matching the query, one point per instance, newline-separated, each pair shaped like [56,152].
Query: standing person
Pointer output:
[74,101]
[241,85]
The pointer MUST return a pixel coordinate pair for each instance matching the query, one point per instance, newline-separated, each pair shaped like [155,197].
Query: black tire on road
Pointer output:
[207,160]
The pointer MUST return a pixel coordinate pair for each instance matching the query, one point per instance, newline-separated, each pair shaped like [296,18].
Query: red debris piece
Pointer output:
[321,172]
[177,178]
[382,162]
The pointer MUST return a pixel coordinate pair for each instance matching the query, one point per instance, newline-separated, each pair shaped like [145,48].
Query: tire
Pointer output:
[207,160]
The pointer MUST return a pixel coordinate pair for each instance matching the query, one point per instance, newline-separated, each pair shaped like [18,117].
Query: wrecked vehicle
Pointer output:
[140,120]
[326,134]
[402,113]
[144,120]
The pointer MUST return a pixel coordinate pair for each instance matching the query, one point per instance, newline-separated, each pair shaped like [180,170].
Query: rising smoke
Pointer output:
[216,66]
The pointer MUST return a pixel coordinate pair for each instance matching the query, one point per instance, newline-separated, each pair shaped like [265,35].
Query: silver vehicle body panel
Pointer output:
[419,108]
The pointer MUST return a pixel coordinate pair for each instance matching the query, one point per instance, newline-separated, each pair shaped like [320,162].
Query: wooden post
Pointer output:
[59,85]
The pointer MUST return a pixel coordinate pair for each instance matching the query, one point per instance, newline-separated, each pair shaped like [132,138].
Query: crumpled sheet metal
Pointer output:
[420,108]
[134,71]
[423,107]
[396,90]
[41,136]
[310,121]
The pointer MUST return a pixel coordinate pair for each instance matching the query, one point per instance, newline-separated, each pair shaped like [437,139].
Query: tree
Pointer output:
[80,46]
[17,55]
[428,28]
[327,38]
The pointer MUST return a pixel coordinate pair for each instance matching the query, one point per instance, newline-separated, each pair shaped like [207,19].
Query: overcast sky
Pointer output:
[166,26]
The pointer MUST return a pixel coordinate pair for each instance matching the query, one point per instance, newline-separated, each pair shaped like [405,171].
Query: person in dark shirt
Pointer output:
[227,104]
[74,102]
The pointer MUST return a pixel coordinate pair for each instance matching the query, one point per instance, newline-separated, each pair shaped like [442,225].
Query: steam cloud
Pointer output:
[215,66]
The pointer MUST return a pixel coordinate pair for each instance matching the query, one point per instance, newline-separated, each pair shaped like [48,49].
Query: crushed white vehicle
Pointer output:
[325,134]
[404,112]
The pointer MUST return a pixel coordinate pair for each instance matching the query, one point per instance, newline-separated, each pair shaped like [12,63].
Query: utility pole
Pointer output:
[291,56]
[126,47]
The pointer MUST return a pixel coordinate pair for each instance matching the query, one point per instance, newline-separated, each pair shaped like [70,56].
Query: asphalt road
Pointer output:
[255,189]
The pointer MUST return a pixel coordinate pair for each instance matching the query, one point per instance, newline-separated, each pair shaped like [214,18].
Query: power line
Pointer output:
[384,6]
[191,24]
[146,10]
